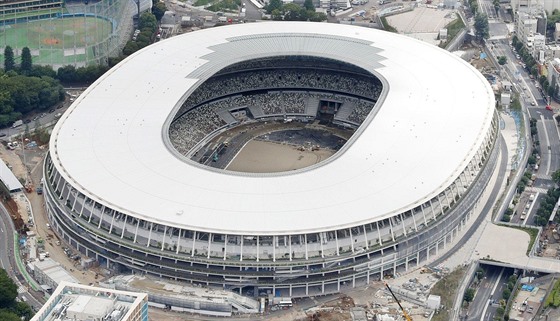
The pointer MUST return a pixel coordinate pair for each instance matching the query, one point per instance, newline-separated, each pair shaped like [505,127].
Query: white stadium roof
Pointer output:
[112,143]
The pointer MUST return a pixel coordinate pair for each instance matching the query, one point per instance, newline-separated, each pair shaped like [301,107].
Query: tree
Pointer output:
[22,309]
[317,16]
[506,294]
[496,4]
[26,61]
[481,26]
[40,71]
[147,20]
[130,48]
[276,14]
[8,316]
[308,5]
[500,311]
[556,177]
[502,60]
[159,10]
[293,12]
[8,290]
[274,5]
[66,73]
[9,63]
[553,87]
[480,273]
[469,295]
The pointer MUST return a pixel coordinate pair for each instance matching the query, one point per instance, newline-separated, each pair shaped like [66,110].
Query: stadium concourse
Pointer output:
[121,186]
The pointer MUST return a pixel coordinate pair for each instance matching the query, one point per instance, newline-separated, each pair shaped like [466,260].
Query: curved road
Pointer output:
[487,207]
[7,260]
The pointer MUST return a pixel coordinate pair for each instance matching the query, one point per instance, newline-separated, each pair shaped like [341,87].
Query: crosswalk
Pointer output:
[541,190]
[21,289]
[543,176]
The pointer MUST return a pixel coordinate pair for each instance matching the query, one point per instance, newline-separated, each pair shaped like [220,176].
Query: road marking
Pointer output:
[491,294]
[548,162]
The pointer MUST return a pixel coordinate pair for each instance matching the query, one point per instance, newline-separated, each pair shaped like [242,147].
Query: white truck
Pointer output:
[17,123]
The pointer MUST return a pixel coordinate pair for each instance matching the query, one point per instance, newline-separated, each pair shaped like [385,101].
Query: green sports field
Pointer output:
[58,41]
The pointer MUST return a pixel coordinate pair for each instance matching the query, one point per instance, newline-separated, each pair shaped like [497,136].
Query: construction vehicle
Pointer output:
[405,315]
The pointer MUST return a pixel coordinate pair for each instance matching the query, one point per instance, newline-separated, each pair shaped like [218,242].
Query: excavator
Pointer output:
[405,315]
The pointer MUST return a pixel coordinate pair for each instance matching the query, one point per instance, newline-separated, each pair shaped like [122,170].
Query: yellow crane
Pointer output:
[405,315]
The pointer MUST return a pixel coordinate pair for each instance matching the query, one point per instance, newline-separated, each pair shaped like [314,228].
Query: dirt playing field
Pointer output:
[269,157]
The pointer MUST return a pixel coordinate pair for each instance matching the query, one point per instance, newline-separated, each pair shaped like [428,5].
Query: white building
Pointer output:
[51,273]
[557,32]
[552,51]
[537,45]
[553,68]
[434,302]
[505,100]
[525,27]
[75,302]
[515,4]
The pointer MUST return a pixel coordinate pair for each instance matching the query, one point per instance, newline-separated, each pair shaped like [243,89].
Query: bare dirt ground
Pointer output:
[33,172]
[421,20]
[269,157]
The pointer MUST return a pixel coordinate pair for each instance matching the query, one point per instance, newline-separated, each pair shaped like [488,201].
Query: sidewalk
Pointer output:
[489,239]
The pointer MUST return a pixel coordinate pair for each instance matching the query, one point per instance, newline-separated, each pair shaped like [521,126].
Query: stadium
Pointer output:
[138,174]
[73,32]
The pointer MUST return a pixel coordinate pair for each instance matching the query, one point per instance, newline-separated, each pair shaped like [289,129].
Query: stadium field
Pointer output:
[270,157]
[57,41]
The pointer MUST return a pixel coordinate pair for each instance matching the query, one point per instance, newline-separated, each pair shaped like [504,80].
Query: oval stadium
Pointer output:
[297,158]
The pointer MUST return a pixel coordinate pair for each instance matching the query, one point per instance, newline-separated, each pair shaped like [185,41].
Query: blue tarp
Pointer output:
[527,287]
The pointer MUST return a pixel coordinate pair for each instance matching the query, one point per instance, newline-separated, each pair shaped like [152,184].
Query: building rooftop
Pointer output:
[54,271]
[434,114]
[185,297]
[75,302]
[8,178]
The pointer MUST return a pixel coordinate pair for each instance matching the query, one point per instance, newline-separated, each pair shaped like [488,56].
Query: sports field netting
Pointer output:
[78,34]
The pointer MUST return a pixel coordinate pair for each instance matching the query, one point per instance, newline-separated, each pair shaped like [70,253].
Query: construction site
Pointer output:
[549,242]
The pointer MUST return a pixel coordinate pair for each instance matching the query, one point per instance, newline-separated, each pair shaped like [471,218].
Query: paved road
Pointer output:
[479,306]
[48,118]
[487,207]
[7,260]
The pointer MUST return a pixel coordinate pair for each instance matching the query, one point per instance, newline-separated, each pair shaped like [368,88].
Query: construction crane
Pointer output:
[405,315]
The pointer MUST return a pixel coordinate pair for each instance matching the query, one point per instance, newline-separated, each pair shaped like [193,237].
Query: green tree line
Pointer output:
[10,309]
[548,202]
[26,88]
[148,25]
[294,12]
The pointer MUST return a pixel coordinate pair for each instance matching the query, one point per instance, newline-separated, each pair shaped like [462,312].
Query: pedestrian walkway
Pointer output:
[543,176]
[541,190]
[476,246]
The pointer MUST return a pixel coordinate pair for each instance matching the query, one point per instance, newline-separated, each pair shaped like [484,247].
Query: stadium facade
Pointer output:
[118,188]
